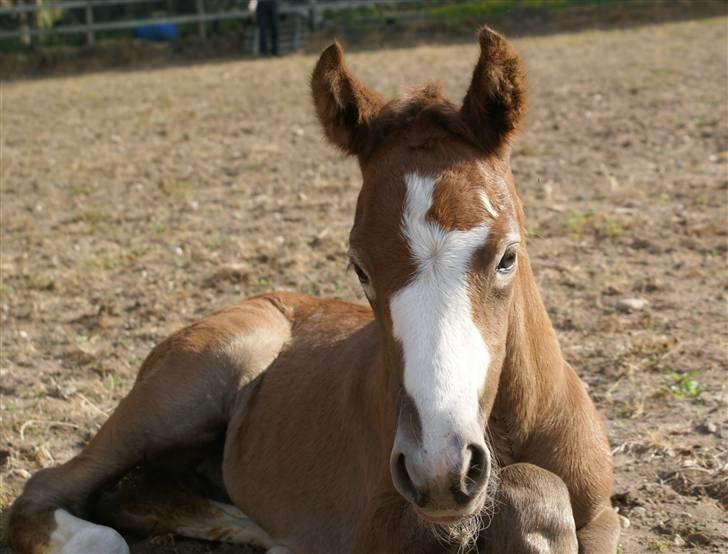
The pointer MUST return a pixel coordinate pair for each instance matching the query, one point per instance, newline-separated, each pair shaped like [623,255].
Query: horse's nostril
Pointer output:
[476,474]
[477,469]
[403,482]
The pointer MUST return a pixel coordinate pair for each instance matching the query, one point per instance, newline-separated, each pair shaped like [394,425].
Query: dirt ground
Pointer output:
[134,202]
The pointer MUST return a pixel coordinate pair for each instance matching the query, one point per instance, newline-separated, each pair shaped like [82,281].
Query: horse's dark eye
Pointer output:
[363,279]
[508,261]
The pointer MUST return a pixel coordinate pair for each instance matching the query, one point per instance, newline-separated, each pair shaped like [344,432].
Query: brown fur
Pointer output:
[547,527]
[343,105]
[495,104]
[306,392]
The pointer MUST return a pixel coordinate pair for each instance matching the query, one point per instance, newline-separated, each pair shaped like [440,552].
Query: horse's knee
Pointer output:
[533,513]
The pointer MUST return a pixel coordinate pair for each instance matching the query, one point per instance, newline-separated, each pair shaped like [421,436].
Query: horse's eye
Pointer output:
[363,278]
[508,261]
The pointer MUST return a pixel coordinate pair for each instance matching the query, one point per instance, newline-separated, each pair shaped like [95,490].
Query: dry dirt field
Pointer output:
[135,202]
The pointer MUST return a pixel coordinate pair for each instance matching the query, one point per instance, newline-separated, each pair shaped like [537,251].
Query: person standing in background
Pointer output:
[266,16]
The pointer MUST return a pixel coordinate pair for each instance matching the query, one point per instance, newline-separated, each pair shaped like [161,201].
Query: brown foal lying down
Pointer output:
[443,418]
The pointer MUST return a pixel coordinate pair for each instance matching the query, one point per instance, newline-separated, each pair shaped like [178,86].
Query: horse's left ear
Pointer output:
[495,104]
[345,107]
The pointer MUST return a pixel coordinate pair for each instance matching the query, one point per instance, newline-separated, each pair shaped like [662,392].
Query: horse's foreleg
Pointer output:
[155,417]
[601,534]
[532,514]
[157,502]
[153,502]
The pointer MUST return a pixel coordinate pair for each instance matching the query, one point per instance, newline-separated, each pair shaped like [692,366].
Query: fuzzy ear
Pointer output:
[495,104]
[344,106]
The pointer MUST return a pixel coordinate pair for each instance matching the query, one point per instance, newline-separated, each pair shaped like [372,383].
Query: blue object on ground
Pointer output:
[159,32]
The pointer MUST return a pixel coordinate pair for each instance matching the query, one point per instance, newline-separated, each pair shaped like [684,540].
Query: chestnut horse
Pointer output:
[442,419]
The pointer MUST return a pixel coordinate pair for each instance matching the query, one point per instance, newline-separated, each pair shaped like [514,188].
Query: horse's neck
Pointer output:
[376,389]
[533,368]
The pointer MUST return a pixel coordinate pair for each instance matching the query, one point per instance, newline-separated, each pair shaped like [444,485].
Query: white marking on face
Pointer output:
[73,535]
[487,205]
[445,356]
[488,175]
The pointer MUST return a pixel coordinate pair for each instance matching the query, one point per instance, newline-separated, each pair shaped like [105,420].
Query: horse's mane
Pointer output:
[420,106]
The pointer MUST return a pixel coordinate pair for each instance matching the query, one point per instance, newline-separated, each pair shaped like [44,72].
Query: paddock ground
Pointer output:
[135,202]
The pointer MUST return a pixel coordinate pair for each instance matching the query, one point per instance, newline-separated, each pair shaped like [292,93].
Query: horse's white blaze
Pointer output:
[73,535]
[445,356]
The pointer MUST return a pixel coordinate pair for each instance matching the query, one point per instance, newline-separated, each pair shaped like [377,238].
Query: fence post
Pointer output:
[296,31]
[201,26]
[312,14]
[90,35]
[25,36]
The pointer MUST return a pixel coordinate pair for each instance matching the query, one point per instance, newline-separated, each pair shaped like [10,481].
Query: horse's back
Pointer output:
[244,339]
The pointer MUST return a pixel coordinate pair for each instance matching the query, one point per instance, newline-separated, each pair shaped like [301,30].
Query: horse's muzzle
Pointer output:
[446,487]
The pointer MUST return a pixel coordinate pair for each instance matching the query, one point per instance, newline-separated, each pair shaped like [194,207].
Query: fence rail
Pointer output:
[90,26]
[303,10]
[26,8]
[134,23]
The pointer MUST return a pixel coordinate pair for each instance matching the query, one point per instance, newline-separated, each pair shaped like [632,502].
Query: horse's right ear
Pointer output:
[344,106]
[495,104]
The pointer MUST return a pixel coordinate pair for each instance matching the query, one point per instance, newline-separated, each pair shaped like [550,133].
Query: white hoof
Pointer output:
[73,535]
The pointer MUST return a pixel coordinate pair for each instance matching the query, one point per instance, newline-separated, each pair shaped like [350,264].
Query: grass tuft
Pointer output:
[683,386]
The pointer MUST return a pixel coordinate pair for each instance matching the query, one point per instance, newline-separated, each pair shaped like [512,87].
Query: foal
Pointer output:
[332,427]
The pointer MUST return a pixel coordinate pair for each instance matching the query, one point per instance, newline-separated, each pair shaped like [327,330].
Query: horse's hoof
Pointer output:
[73,536]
